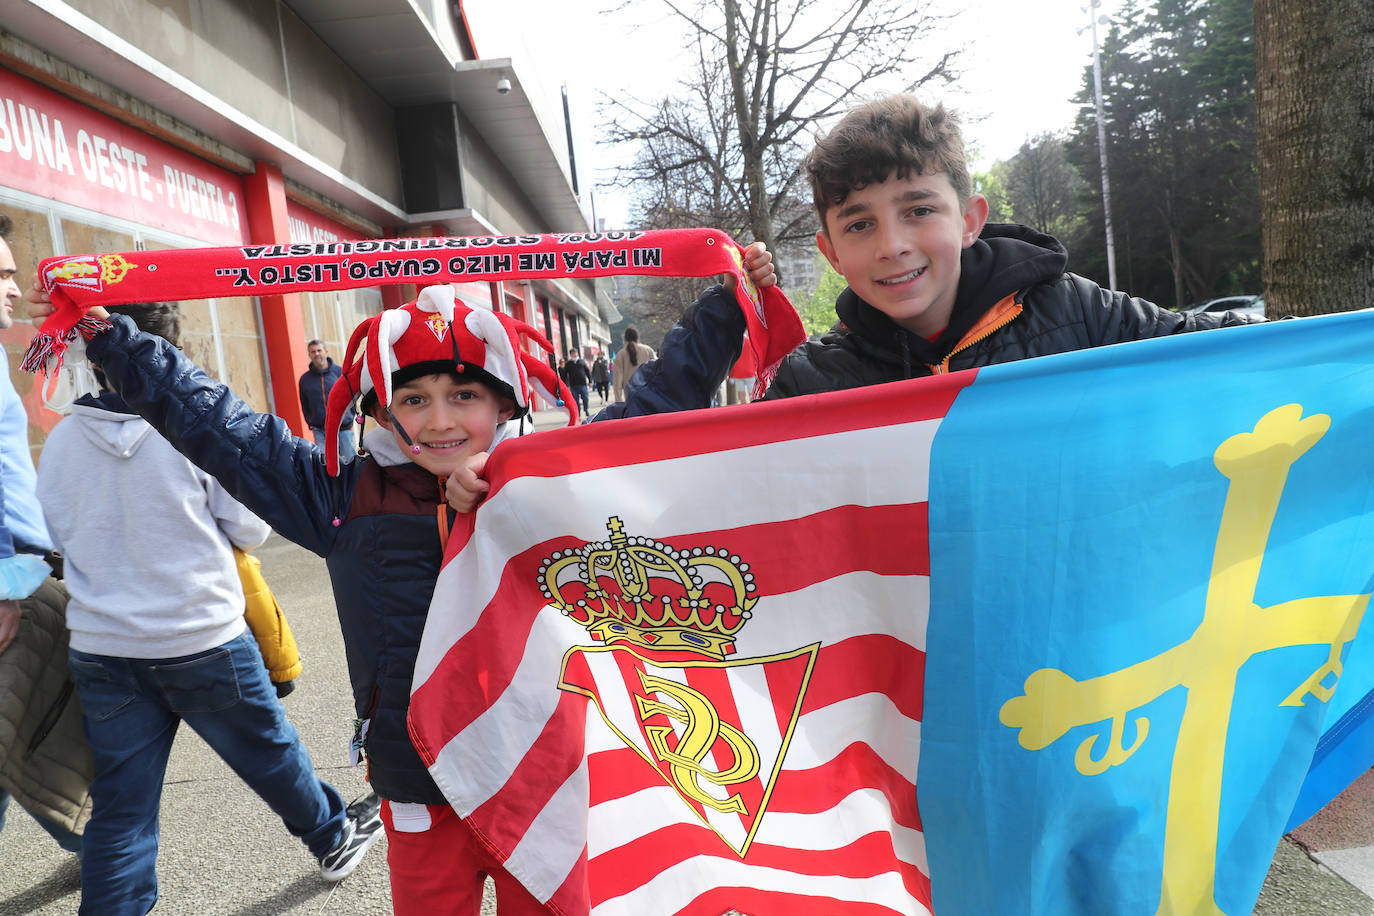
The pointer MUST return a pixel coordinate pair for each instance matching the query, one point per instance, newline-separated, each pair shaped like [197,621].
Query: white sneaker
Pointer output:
[362,827]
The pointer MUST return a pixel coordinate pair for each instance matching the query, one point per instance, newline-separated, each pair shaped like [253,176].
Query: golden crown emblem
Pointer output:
[89,271]
[113,268]
[641,591]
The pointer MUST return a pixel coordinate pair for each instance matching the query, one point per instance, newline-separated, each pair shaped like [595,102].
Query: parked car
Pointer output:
[1245,305]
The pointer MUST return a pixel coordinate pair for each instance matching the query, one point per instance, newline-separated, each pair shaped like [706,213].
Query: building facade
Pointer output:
[190,123]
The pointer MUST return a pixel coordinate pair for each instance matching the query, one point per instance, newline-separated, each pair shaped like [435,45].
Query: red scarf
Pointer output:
[78,282]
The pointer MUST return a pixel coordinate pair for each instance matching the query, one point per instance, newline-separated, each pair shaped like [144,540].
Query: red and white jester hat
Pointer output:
[437,328]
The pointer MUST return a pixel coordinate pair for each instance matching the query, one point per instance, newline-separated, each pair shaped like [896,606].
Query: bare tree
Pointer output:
[1315,65]
[727,149]
[1043,188]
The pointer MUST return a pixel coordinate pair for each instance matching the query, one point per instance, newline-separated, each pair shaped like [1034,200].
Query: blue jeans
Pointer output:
[64,837]
[348,443]
[582,394]
[131,708]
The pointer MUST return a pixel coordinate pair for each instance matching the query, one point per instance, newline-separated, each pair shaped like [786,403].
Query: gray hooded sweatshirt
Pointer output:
[145,535]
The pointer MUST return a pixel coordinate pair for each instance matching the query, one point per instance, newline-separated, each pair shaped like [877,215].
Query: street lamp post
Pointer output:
[1102,150]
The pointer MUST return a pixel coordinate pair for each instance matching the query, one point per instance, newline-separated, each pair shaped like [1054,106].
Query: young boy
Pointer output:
[933,287]
[158,637]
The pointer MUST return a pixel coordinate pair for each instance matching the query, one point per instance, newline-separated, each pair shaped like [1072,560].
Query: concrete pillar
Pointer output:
[282,326]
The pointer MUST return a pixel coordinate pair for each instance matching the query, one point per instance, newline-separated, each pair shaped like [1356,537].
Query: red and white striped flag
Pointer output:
[662,675]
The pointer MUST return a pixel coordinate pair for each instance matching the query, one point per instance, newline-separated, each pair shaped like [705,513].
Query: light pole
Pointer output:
[1102,150]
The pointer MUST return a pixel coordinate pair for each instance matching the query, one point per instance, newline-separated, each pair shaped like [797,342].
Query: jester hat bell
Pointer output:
[437,328]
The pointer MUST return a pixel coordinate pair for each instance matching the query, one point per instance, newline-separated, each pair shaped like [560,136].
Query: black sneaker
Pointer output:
[362,827]
[367,812]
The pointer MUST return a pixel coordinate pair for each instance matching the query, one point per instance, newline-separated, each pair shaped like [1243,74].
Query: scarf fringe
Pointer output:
[47,348]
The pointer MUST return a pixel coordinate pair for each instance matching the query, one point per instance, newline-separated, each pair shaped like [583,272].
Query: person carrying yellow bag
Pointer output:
[266,619]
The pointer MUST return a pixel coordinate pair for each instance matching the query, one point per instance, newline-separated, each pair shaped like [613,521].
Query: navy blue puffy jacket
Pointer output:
[314,390]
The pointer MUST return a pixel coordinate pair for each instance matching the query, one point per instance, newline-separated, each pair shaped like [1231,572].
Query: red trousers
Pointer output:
[438,867]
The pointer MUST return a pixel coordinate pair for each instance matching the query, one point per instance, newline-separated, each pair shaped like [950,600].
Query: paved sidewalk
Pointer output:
[1339,842]
[555,417]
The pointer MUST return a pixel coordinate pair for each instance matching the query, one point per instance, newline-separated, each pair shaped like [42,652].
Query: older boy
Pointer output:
[933,287]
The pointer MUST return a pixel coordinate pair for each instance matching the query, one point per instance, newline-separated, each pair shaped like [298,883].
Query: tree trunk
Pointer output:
[760,219]
[1314,62]
[1176,261]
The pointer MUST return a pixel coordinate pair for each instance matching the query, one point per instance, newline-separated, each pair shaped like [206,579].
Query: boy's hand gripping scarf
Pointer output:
[76,283]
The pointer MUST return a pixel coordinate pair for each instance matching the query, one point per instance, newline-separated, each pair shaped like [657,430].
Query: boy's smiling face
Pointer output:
[898,243]
[450,420]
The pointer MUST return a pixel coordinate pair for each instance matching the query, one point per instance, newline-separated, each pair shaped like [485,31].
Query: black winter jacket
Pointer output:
[1014,302]
[576,372]
[314,387]
[377,528]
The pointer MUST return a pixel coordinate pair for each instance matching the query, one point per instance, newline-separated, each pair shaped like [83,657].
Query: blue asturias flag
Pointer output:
[1149,567]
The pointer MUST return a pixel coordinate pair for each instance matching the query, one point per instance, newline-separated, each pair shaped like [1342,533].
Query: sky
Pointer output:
[1023,60]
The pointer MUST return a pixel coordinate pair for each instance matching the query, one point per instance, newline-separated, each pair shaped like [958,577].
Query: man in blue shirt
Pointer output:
[31,606]
[315,384]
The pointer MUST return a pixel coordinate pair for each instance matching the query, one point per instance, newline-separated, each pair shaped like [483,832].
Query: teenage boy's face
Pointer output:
[898,243]
[449,420]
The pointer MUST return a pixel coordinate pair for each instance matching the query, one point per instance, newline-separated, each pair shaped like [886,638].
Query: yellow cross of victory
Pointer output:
[1233,629]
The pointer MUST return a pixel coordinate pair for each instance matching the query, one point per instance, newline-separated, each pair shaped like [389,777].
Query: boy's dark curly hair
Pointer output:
[895,136]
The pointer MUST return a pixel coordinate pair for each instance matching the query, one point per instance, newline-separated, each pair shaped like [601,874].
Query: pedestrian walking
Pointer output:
[315,384]
[578,377]
[44,762]
[158,637]
[601,377]
[627,362]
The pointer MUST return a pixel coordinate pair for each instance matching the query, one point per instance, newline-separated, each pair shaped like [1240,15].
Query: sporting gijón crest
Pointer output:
[665,617]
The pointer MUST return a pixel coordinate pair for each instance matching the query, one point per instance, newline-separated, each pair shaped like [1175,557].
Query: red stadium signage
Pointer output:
[56,148]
